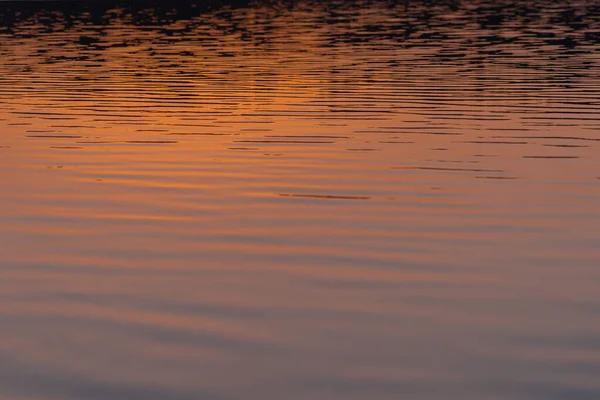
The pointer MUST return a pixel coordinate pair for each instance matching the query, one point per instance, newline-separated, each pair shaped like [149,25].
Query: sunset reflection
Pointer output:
[299,200]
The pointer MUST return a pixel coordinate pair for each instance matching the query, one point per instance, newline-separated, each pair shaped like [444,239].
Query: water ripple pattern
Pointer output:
[300,200]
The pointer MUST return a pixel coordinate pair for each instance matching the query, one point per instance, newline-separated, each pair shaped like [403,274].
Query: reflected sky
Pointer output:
[299,200]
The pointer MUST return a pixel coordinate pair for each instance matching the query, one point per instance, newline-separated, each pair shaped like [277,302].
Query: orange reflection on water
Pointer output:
[315,201]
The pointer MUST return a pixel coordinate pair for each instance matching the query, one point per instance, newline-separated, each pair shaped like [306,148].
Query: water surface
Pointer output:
[300,200]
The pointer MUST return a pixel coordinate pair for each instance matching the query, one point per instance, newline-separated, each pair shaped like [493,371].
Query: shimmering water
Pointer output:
[300,200]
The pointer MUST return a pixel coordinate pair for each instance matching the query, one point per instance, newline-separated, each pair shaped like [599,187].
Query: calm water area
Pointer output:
[300,200]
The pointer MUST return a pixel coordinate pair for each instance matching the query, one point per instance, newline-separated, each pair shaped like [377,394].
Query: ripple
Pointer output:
[299,199]
[324,196]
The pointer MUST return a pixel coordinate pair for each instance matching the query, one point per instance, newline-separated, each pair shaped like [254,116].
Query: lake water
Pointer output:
[300,200]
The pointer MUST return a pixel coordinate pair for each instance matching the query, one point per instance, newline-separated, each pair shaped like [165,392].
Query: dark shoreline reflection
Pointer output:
[492,15]
[147,12]
[475,34]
